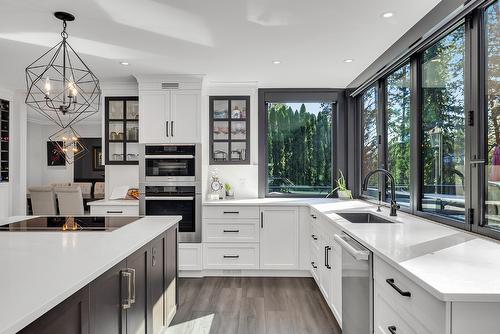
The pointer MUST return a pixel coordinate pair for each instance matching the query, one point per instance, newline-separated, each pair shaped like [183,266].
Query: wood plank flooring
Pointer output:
[251,305]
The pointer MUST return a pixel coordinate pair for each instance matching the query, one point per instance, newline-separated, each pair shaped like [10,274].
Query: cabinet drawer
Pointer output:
[231,212]
[114,210]
[244,230]
[315,259]
[427,312]
[386,317]
[231,256]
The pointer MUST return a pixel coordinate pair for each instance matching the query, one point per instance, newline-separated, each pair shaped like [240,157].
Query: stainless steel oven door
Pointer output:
[174,200]
[168,168]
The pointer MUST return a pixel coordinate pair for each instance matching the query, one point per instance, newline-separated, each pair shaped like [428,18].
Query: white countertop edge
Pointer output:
[19,324]
[111,202]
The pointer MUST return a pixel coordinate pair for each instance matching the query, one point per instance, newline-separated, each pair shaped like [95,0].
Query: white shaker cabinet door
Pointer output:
[279,241]
[154,117]
[185,126]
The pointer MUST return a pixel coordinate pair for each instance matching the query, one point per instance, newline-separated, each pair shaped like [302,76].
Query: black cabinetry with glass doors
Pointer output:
[122,130]
[4,119]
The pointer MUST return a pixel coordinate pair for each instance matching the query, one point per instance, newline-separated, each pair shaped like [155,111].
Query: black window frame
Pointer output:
[339,124]
[475,121]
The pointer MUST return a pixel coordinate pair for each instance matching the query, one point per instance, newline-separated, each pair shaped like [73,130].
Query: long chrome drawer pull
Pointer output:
[168,198]
[231,231]
[126,302]
[132,298]
[231,256]
[390,281]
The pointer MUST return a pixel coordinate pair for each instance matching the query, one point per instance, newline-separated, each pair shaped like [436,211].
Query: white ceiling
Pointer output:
[227,40]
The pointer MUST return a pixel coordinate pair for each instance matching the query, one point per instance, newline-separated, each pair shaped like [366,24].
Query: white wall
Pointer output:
[38,173]
[243,178]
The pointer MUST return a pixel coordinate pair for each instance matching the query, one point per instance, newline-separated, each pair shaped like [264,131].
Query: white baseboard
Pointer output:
[244,273]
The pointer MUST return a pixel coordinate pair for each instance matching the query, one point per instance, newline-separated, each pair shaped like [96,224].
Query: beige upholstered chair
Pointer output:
[99,190]
[70,200]
[86,188]
[43,201]
[62,184]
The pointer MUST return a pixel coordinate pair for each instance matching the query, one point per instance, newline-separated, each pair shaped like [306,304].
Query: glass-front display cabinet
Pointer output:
[229,130]
[122,130]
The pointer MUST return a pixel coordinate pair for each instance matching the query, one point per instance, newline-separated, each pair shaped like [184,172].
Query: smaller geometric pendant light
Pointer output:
[67,141]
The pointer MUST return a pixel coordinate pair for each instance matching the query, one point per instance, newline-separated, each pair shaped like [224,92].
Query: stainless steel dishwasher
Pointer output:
[357,286]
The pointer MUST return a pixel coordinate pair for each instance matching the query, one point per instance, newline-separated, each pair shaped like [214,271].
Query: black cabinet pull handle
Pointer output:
[166,128]
[392,329]
[327,258]
[314,237]
[313,265]
[231,256]
[262,219]
[231,212]
[313,216]
[390,281]
[172,128]
[111,211]
[231,231]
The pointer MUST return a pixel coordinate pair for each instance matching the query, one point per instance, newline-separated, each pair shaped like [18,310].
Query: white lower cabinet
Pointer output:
[326,255]
[279,239]
[231,256]
[190,257]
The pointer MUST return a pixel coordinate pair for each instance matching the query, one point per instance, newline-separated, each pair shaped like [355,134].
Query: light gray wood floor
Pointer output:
[220,305]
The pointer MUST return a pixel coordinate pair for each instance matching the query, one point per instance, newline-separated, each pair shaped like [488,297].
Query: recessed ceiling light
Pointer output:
[124,63]
[276,62]
[348,61]
[387,15]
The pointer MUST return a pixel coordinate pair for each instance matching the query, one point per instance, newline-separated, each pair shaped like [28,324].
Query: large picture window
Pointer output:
[370,144]
[297,147]
[397,109]
[443,127]
[492,105]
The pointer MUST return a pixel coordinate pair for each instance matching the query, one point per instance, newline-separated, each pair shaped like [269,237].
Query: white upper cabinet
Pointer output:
[170,109]
[279,240]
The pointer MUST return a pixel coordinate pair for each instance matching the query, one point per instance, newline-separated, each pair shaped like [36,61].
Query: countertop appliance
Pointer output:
[357,286]
[170,184]
[68,224]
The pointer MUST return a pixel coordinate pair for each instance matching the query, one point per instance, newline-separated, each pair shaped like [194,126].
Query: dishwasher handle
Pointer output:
[361,255]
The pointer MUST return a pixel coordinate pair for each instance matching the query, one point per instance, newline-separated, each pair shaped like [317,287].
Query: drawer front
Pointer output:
[231,256]
[386,319]
[190,256]
[114,210]
[231,212]
[426,311]
[241,231]
[315,240]
[315,258]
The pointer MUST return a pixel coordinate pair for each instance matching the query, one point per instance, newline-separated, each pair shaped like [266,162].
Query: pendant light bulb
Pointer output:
[47,86]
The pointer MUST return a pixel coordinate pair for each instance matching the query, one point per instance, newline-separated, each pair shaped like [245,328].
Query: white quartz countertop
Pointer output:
[111,202]
[41,269]
[451,264]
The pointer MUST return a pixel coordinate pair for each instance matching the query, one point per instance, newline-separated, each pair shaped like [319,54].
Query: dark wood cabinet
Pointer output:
[130,298]
[69,317]
[107,314]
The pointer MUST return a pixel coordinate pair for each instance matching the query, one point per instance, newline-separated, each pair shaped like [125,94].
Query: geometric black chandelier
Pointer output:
[60,85]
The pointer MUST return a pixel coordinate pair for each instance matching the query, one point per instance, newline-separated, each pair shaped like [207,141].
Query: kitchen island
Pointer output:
[100,279]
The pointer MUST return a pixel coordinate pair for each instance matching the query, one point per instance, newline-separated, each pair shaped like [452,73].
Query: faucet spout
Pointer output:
[394,205]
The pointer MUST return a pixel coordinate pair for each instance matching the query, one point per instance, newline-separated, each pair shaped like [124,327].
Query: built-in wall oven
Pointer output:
[170,185]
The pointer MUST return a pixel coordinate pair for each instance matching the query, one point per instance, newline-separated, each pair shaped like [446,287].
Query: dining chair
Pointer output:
[99,190]
[70,200]
[43,201]
[86,188]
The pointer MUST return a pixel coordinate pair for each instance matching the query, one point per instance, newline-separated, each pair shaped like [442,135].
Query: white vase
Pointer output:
[344,194]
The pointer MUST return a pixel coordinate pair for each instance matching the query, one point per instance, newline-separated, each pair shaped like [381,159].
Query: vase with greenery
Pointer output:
[229,190]
[342,191]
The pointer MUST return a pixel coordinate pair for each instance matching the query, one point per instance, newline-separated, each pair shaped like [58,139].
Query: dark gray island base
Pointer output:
[138,295]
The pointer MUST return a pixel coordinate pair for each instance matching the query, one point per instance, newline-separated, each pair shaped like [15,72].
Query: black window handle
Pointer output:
[231,231]
[392,329]
[231,212]
[314,237]
[231,256]
[390,281]
[327,260]
[313,265]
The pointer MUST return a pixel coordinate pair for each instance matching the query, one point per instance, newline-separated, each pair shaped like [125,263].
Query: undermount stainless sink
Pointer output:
[363,218]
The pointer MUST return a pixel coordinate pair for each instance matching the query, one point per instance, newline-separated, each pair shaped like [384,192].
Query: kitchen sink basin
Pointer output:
[363,218]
